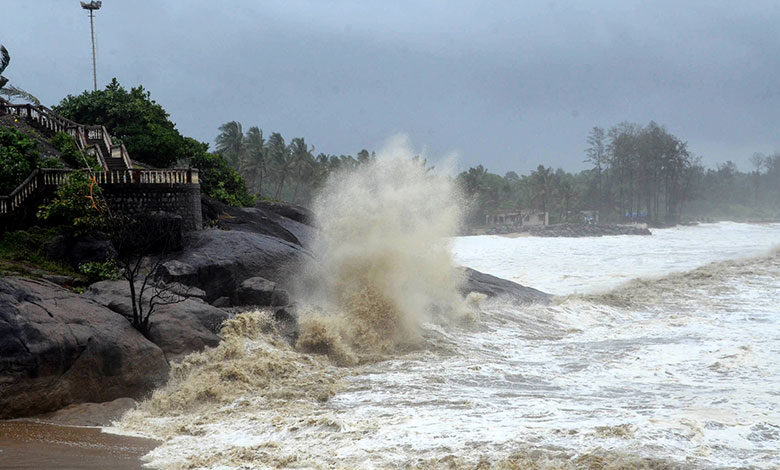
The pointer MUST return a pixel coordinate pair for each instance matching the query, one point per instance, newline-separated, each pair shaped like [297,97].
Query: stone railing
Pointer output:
[95,140]
[51,177]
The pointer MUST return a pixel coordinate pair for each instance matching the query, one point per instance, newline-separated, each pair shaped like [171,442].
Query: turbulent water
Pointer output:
[677,369]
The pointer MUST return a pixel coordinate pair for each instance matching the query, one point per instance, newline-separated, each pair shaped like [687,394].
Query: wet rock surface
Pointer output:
[260,291]
[179,328]
[492,286]
[58,348]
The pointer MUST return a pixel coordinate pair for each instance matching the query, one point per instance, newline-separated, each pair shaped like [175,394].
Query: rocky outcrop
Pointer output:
[572,230]
[492,286]
[259,291]
[58,348]
[179,328]
[218,261]
[81,249]
[286,222]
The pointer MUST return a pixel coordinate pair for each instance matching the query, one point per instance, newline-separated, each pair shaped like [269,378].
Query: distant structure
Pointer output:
[518,218]
[92,6]
[589,217]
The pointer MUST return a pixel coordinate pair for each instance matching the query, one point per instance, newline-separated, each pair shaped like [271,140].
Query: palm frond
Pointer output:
[5,58]
[12,92]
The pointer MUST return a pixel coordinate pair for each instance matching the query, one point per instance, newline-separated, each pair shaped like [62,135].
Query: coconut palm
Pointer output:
[230,143]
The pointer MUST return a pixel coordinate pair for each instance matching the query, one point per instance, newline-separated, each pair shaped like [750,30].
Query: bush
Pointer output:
[18,158]
[70,153]
[78,202]
[22,249]
[96,271]
[220,181]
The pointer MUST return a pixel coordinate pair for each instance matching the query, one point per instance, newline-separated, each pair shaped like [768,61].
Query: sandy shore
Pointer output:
[25,444]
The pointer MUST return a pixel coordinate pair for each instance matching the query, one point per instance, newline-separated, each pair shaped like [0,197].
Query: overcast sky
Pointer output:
[507,84]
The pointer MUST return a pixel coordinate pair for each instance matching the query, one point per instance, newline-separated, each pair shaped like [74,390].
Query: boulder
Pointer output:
[58,348]
[261,292]
[492,286]
[218,261]
[290,211]
[286,222]
[81,249]
[179,328]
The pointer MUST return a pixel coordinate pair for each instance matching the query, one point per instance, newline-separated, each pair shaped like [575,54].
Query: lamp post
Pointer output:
[92,6]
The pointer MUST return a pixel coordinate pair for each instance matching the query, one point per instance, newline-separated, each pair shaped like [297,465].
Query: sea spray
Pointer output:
[252,362]
[383,263]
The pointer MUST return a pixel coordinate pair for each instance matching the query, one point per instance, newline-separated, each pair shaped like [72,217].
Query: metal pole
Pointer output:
[94,66]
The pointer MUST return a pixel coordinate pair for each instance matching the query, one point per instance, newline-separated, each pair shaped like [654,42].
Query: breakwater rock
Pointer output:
[571,230]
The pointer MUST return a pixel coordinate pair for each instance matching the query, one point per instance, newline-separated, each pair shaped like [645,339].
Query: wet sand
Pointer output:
[36,445]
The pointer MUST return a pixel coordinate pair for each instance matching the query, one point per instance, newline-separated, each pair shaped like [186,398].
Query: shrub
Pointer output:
[70,153]
[78,202]
[220,181]
[97,271]
[18,158]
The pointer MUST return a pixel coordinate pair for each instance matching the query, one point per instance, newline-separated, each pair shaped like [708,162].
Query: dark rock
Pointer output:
[286,222]
[185,291]
[290,211]
[287,321]
[81,249]
[58,348]
[179,328]
[222,302]
[260,291]
[492,286]
[217,261]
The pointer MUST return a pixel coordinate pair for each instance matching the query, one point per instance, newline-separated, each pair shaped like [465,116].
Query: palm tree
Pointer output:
[254,165]
[230,143]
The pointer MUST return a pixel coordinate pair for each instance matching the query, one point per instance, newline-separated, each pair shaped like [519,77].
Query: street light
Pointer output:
[92,6]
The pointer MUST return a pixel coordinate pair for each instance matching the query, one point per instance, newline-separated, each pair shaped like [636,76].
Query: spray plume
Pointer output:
[384,262]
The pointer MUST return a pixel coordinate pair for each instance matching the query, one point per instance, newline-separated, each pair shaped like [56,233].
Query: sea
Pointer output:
[658,351]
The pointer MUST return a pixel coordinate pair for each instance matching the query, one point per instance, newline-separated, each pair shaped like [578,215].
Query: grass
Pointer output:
[22,253]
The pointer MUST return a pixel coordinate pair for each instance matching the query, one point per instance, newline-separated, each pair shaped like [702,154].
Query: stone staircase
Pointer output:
[94,140]
[152,187]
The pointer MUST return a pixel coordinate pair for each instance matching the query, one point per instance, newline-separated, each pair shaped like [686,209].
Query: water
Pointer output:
[677,370]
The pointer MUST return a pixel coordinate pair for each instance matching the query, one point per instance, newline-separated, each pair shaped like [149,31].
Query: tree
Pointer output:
[133,117]
[230,143]
[19,156]
[143,244]
[221,181]
[758,160]
[254,168]
[279,159]
[597,156]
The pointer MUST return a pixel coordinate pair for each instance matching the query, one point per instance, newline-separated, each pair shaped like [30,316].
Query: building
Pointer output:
[518,218]
[589,217]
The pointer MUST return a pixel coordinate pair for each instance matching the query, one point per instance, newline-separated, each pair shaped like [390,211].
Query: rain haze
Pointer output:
[504,84]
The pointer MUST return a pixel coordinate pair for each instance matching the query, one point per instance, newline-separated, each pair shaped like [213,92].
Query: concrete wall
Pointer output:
[180,199]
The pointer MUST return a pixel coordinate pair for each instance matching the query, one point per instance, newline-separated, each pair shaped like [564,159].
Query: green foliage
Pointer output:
[142,124]
[22,252]
[19,156]
[79,203]
[97,271]
[280,170]
[70,153]
[220,181]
